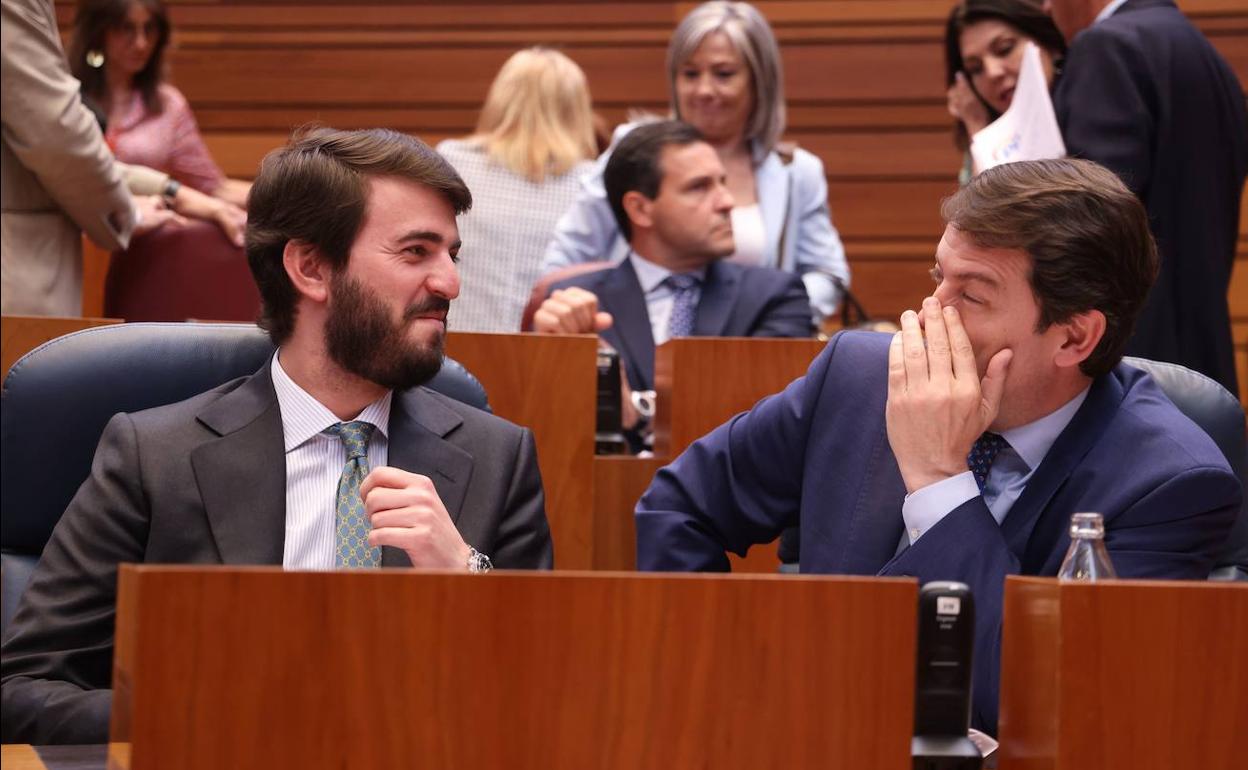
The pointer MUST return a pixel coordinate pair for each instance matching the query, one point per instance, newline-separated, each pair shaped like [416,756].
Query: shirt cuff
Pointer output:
[927,506]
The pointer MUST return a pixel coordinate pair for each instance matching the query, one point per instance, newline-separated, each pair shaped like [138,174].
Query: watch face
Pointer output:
[644,402]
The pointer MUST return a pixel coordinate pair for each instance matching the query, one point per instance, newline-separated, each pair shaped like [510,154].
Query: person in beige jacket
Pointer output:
[59,178]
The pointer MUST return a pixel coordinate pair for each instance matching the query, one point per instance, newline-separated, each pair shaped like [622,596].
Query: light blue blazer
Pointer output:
[793,200]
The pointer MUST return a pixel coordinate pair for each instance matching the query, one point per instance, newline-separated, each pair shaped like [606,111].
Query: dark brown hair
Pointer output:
[1027,16]
[1086,234]
[634,164]
[315,190]
[92,21]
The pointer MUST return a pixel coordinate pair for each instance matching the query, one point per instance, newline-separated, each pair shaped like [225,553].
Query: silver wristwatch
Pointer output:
[477,561]
[644,402]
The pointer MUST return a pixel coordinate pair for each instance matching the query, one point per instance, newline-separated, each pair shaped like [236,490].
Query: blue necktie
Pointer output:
[983,452]
[351,525]
[684,304]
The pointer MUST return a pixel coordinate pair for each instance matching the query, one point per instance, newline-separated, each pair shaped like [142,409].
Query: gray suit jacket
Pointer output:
[203,482]
[59,178]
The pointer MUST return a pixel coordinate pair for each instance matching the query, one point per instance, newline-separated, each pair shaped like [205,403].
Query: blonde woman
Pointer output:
[533,142]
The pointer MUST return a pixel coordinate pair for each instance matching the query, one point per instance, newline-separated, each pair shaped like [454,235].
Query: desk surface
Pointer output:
[22,756]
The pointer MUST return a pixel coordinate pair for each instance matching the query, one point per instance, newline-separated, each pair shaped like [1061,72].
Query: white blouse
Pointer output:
[749,233]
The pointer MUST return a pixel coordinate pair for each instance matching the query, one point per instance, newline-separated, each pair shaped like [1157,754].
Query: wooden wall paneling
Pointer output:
[864,81]
[547,383]
[372,668]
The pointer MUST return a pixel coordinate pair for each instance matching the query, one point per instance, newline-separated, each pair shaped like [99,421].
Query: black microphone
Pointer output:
[942,692]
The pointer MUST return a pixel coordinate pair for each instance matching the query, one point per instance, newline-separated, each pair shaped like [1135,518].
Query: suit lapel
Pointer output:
[630,334]
[419,423]
[1028,520]
[719,296]
[242,475]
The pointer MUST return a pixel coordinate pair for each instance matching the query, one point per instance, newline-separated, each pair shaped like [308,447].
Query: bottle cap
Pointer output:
[1087,526]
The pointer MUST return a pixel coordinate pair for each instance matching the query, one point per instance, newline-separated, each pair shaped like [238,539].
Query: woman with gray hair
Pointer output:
[725,79]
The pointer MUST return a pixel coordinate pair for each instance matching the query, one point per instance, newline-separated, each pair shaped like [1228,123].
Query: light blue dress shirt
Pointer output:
[1007,478]
[1108,11]
[659,296]
[314,463]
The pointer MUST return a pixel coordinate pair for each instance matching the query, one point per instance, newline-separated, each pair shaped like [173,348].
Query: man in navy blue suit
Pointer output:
[958,448]
[668,191]
[1145,94]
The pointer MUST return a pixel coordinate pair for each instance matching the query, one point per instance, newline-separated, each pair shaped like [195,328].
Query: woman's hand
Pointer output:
[153,214]
[964,105]
[230,218]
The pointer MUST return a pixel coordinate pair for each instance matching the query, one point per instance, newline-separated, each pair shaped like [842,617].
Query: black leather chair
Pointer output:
[1219,414]
[1205,403]
[58,397]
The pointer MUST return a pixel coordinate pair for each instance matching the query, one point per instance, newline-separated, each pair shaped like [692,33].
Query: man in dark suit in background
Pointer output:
[1143,93]
[667,189]
[329,456]
[959,448]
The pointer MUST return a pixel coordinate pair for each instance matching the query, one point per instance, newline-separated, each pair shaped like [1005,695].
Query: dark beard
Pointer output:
[361,338]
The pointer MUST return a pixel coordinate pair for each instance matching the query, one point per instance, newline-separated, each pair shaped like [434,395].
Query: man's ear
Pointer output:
[308,271]
[639,209]
[1081,334]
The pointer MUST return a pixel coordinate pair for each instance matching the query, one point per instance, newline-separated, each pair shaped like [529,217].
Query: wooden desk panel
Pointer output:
[1130,675]
[702,381]
[547,383]
[222,668]
[20,756]
[619,483]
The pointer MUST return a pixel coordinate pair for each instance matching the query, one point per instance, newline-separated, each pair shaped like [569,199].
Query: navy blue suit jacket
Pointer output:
[736,301]
[817,455]
[1146,95]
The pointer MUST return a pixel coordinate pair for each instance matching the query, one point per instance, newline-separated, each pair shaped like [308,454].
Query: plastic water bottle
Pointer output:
[1087,558]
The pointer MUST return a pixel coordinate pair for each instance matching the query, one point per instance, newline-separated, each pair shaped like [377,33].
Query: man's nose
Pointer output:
[444,280]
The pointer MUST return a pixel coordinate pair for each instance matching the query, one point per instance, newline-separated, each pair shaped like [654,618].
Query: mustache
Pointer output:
[430,305]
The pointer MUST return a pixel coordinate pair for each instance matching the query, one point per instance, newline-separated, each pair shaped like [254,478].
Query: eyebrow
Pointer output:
[701,180]
[425,235]
[964,276]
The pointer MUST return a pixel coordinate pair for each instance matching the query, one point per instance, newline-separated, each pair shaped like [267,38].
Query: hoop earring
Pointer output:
[95,59]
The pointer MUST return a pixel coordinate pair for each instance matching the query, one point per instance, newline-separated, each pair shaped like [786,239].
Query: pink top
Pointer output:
[168,142]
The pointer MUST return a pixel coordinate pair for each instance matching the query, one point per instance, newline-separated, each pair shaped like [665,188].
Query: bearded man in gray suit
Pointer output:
[352,241]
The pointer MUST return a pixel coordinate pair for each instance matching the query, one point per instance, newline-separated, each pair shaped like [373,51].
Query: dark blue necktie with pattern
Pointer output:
[684,304]
[983,452]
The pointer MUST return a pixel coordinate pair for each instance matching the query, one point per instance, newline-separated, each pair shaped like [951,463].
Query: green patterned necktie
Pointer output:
[351,527]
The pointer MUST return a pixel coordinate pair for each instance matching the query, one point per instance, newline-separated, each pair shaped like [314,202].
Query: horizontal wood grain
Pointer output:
[864,86]
[383,669]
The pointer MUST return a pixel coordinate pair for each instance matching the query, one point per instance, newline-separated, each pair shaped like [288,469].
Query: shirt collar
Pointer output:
[1108,11]
[651,276]
[304,417]
[1032,441]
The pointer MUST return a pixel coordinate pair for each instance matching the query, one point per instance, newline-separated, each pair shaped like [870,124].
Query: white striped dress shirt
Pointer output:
[314,463]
